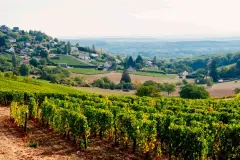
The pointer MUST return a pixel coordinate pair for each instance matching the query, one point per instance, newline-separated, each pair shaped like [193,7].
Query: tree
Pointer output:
[150,83]
[154,62]
[151,91]
[93,49]
[130,62]
[14,61]
[209,82]
[114,65]
[213,71]
[238,64]
[2,43]
[237,90]
[193,91]
[34,62]
[55,40]
[24,70]
[66,49]
[138,66]
[201,71]
[44,53]
[43,62]
[25,38]
[125,77]
[39,38]
[4,65]
[69,47]
[169,87]
[184,81]
[77,45]
[139,60]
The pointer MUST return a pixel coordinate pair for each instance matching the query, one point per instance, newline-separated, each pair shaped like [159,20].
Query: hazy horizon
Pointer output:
[125,18]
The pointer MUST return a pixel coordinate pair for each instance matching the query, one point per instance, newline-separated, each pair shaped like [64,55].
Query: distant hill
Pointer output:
[162,49]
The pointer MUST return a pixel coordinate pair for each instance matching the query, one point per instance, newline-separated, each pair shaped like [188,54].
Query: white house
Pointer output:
[94,55]
[12,50]
[220,80]
[184,74]
[84,56]
[148,63]
[117,61]
[12,40]
[74,50]
[52,43]
[28,44]
[107,65]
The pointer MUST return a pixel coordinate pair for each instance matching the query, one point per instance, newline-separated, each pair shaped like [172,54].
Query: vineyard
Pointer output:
[156,127]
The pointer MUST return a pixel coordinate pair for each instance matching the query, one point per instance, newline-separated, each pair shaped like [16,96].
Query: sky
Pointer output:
[124,18]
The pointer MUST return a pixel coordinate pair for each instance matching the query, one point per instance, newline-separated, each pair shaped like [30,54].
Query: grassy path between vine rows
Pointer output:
[14,145]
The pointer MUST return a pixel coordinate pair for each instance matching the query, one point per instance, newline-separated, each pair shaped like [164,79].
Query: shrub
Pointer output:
[151,91]
[104,83]
[237,90]
[24,70]
[169,87]
[184,81]
[193,91]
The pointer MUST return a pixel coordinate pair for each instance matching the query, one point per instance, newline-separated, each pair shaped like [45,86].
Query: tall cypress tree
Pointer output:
[14,61]
[213,71]
[69,47]
[93,49]
[125,77]
[130,62]
[139,59]
[154,62]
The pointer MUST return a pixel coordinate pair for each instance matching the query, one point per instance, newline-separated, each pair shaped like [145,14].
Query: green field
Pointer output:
[227,66]
[32,85]
[69,60]
[153,74]
[86,71]
[151,69]
[8,56]
[150,74]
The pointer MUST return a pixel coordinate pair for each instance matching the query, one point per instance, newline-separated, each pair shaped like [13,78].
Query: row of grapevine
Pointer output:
[179,128]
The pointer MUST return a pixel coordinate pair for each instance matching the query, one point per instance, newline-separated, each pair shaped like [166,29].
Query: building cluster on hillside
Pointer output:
[31,47]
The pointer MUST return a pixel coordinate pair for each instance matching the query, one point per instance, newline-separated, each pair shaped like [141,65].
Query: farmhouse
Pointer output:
[107,65]
[12,40]
[4,29]
[220,80]
[74,50]
[25,60]
[11,50]
[52,43]
[148,63]
[28,44]
[117,61]
[184,74]
[94,55]
[84,56]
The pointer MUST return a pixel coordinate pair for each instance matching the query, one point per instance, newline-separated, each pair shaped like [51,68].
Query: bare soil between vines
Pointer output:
[14,145]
